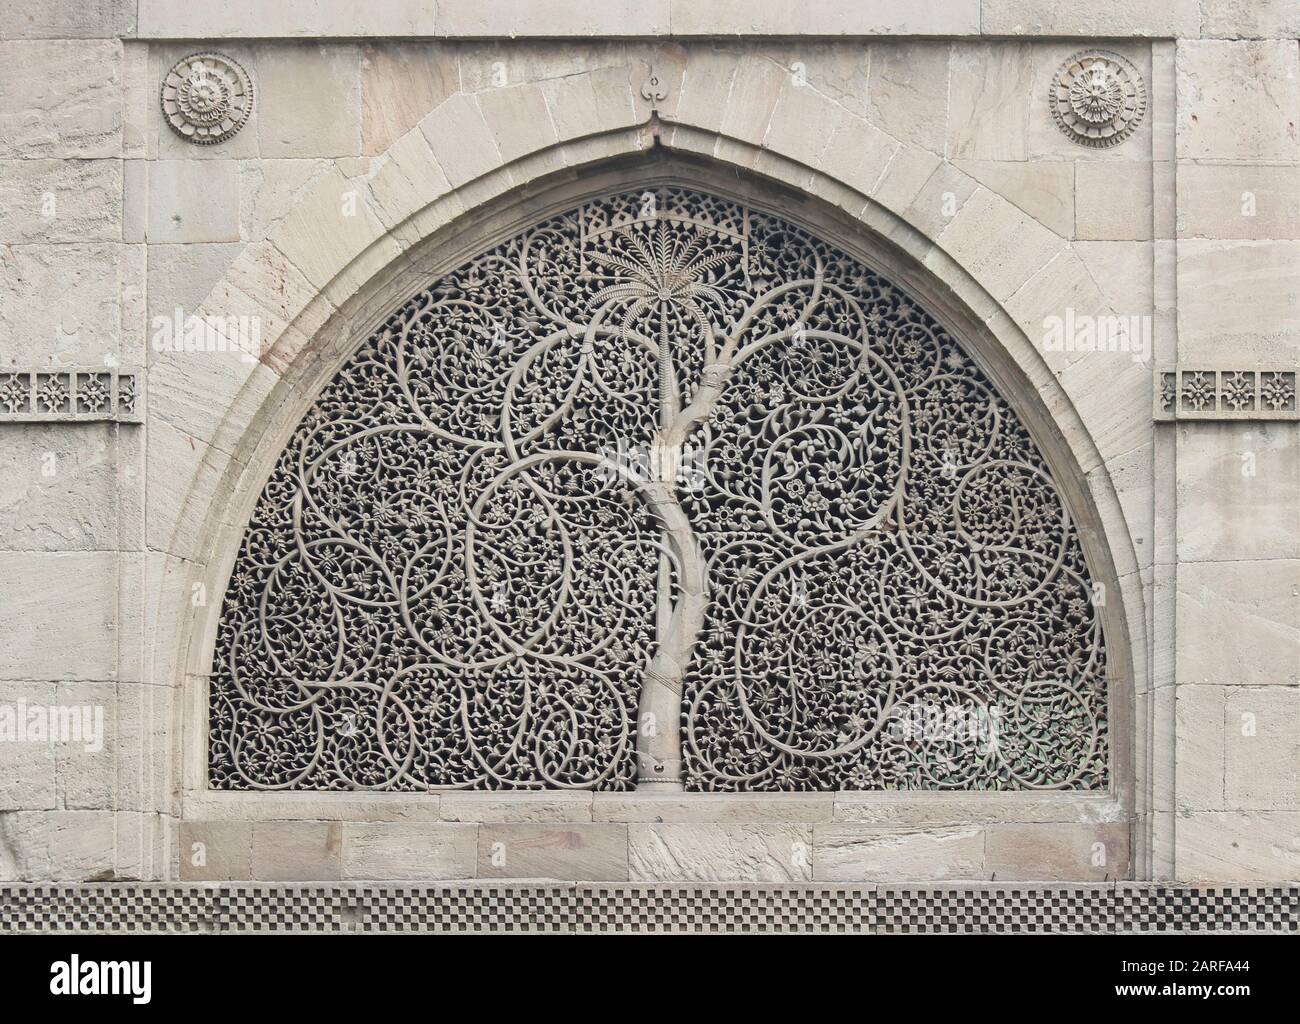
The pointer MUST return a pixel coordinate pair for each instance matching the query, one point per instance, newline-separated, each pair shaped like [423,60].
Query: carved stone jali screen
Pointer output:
[663,492]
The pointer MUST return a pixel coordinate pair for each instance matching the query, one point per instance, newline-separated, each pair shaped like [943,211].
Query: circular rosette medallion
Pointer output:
[206,98]
[1098,98]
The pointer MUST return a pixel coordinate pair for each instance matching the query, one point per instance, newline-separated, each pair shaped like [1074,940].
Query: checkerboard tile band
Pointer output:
[631,908]
[999,910]
[1238,909]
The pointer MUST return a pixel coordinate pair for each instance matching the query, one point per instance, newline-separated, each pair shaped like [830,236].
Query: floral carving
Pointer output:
[1198,390]
[36,396]
[1238,390]
[1098,98]
[457,577]
[52,391]
[206,98]
[15,392]
[1260,393]
[1277,391]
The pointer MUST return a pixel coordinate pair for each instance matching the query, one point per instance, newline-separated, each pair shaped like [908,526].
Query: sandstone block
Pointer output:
[592,852]
[720,853]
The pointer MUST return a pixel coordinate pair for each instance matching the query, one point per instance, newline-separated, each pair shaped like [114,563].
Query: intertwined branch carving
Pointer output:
[664,492]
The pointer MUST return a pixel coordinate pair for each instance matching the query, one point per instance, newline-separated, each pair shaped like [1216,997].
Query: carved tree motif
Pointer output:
[664,491]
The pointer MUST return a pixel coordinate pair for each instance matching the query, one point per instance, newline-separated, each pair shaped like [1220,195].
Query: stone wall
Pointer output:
[383,145]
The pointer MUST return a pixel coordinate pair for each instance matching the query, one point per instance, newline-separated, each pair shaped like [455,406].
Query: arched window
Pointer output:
[667,492]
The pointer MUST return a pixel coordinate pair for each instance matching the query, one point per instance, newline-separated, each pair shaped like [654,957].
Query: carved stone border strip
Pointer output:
[1225,393]
[577,907]
[71,395]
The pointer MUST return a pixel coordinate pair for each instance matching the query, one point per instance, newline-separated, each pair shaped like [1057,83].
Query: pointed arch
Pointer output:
[459,574]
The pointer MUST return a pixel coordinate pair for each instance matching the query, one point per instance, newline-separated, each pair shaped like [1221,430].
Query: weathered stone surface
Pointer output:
[518,120]
[837,71]
[142,776]
[714,807]
[63,304]
[485,64]
[548,18]
[1057,852]
[706,84]
[1238,846]
[998,243]
[1113,200]
[870,17]
[416,851]
[62,98]
[1239,622]
[26,767]
[177,463]
[517,807]
[1130,473]
[1200,746]
[193,201]
[1238,491]
[400,83]
[585,104]
[183,385]
[180,277]
[297,850]
[924,191]
[85,758]
[269,190]
[407,181]
[1237,100]
[60,200]
[864,853]
[915,809]
[214,851]
[857,153]
[720,853]
[1152,18]
[1262,748]
[1061,285]
[758,82]
[1110,388]
[262,283]
[371,808]
[329,228]
[907,92]
[1043,189]
[560,851]
[551,18]
[85,19]
[802,122]
[1218,280]
[1250,18]
[1238,201]
[164,19]
[139,124]
[1124,274]
[60,614]
[460,139]
[309,101]
[988,105]
[43,846]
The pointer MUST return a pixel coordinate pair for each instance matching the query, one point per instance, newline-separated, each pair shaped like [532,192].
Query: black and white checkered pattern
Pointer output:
[1002,909]
[1162,908]
[722,908]
[631,907]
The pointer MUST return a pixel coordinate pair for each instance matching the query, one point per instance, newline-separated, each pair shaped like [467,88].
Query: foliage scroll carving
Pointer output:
[662,492]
